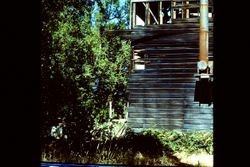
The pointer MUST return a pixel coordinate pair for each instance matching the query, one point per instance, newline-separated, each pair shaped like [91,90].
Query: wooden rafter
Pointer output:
[147,7]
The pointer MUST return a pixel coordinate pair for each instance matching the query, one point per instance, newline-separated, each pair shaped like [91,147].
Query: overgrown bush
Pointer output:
[82,70]
[190,142]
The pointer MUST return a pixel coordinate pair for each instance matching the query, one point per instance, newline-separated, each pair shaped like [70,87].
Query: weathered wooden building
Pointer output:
[172,44]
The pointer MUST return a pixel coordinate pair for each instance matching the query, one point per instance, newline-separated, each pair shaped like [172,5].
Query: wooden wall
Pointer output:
[162,94]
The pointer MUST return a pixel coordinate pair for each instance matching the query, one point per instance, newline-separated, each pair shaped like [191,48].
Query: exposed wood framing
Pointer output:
[160,12]
[148,12]
[173,10]
[187,10]
[182,10]
[154,10]
[134,14]
[130,15]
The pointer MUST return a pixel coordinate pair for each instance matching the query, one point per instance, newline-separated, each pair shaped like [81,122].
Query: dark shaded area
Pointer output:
[231,86]
[20,83]
[204,91]
[60,105]
[120,97]
[131,149]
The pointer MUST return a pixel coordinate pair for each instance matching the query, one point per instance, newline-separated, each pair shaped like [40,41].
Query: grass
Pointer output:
[150,147]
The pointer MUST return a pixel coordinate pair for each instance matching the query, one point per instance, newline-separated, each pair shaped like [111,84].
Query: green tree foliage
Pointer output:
[81,71]
[112,14]
[179,141]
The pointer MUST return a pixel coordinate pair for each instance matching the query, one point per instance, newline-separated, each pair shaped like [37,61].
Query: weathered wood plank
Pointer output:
[152,117]
[162,80]
[139,128]
[155,115]
[162,95]
[162,85]
[171,40]
[157,74]
[189,110]
[207,122]
[173,56]
[171,65]
[156,121]
[173,70]
[164,92]
[172,105]
[198,127]
[159,44]
[199,116]
[169,49]
[162,100]
[161,90]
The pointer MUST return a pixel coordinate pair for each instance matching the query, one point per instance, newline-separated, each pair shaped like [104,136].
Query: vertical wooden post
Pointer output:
[133,14]
[160,12]
[173,10]
[187,10]
[147,14]
[130,15]
[132,65]
[183,9]
[203,56]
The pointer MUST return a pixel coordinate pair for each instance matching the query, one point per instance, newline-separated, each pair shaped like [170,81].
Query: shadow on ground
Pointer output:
[131,149]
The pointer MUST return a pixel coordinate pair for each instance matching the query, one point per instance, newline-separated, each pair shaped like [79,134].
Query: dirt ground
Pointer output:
[203,159]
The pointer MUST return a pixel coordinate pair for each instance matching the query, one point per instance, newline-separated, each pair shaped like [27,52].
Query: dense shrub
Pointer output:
[82,70]
[190,142]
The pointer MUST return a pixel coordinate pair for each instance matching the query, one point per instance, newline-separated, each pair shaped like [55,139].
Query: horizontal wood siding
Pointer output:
[162,95]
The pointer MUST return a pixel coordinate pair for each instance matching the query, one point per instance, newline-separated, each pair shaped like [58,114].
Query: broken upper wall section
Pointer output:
[155,12]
